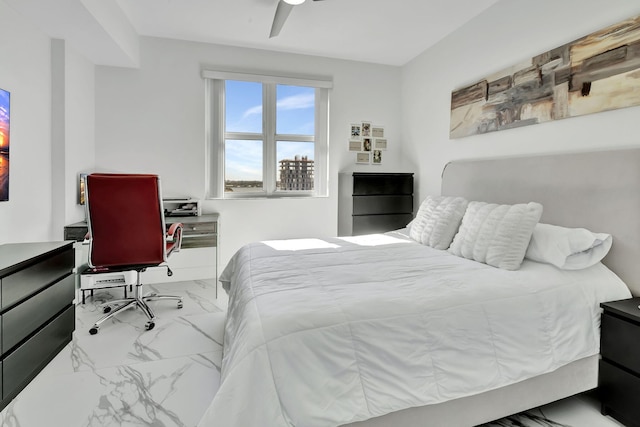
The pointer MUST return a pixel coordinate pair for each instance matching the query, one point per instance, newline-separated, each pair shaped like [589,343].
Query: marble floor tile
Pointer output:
[169,392]
[125,375]
[127,342]
[578,411]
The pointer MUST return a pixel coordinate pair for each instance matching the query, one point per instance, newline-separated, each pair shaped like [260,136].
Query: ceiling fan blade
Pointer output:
[282,12]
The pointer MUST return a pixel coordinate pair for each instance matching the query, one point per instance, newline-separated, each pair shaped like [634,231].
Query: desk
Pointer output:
[198,231]
[198,261]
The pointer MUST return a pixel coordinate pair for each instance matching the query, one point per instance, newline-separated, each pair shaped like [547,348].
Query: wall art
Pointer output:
[595,73]
[4,144]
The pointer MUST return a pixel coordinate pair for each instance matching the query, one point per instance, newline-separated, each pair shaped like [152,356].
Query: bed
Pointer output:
[348,331]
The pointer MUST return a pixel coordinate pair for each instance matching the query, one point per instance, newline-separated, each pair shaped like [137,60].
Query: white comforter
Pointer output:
[327,332]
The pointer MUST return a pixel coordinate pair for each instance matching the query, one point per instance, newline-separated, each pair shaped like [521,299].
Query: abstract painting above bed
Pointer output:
[595,73]
[333,331]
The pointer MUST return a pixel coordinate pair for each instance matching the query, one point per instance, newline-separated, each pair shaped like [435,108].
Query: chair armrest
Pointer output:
[176,226]
[174,234]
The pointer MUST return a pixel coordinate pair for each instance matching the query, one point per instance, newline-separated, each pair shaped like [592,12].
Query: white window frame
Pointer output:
[216,135]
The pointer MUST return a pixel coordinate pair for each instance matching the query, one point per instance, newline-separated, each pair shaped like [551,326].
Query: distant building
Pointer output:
[296,174]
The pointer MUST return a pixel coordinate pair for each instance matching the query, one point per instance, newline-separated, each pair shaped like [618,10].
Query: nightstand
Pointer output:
[619,376]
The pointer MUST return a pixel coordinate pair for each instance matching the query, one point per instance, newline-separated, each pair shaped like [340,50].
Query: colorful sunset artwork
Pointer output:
[4,145]
[596,73]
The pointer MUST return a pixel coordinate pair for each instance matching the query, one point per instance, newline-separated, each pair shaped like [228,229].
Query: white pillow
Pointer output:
[437,221]
[567,248]
[497,235]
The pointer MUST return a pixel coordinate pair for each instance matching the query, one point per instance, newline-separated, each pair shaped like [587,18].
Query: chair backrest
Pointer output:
[125,219]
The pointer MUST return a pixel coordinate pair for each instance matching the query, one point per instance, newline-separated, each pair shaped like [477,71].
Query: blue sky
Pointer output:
[295,115]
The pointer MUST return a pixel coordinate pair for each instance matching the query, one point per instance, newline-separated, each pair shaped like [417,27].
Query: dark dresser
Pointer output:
[379,202]
[37,314]
[619,375]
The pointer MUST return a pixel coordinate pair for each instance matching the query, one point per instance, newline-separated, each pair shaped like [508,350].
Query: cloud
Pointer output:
[297,102]
[243,160]
[293,102]
[252,111]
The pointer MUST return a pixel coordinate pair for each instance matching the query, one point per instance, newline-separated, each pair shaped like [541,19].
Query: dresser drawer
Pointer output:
[374,205]
[365,184]
[621,342]
[618,391]
[29,280]
[25,318]
[26,361]
[368,224]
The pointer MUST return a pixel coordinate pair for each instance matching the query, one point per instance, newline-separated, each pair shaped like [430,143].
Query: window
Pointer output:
[267,136]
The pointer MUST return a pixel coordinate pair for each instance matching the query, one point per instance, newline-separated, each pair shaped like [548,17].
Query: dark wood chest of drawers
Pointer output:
[619,376]
[37,315]
[381,202]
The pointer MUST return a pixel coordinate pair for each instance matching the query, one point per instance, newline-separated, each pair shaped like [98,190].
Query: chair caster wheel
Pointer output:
[179,304]
[149,326]
[93,330]
[106,309]
[152,294]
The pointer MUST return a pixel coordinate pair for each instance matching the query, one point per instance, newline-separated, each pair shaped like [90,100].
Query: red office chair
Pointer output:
[127,233]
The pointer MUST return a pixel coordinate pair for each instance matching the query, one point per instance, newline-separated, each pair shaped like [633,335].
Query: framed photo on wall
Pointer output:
[363,158]
[356,131]
[5,113]
[380,144]
[366,129]
[377,157]
[355,145]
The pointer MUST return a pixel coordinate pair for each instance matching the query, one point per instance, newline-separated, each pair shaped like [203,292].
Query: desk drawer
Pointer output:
[75,233]
[23,283]
[25,318]
[198,228]
[27,360]
[199,241]
[620,340]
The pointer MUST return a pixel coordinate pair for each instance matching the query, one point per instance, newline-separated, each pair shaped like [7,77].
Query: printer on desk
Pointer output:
[181,206]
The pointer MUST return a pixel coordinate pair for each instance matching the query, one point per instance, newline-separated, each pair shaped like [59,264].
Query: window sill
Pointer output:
[255,196]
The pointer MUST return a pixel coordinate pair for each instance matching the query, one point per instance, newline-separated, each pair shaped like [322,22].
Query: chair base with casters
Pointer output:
[112,308]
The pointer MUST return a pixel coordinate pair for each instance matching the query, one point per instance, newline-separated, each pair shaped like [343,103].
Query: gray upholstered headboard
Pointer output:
[597,190]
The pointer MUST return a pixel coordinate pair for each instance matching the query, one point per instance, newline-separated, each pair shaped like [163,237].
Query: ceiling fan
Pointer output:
[282,12]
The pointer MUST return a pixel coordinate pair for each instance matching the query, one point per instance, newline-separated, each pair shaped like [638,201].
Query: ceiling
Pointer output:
[380,31]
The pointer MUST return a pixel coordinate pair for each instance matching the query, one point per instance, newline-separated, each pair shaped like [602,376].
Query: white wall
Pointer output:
[79,129]
[505,34]
[151,120]
[25,71]
[43,167]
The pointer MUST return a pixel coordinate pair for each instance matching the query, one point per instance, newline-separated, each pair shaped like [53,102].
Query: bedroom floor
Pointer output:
[126,376]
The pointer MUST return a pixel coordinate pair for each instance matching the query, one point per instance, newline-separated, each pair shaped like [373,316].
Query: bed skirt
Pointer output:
[571,379]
